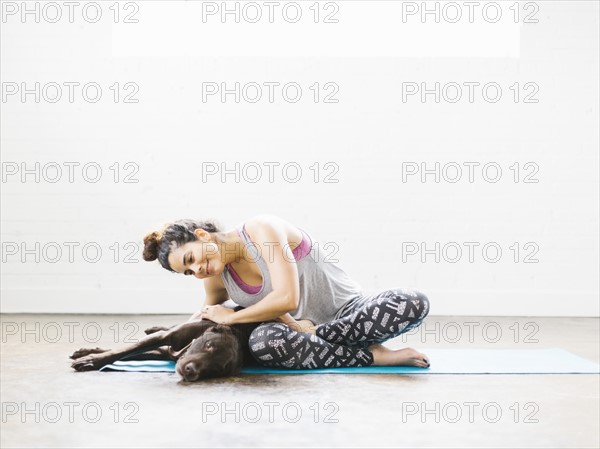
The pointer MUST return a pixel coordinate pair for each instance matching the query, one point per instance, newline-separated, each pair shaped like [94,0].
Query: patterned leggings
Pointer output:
[343,342]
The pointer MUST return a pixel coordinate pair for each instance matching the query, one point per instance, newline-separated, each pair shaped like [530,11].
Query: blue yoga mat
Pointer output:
[443,361]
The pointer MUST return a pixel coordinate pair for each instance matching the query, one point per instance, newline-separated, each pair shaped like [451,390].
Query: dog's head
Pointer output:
[215,353]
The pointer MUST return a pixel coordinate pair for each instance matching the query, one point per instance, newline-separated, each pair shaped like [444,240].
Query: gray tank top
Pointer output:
[325,289]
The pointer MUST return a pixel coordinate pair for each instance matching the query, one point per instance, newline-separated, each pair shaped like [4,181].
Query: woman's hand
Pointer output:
[218,314]
[307,326]
[299,326]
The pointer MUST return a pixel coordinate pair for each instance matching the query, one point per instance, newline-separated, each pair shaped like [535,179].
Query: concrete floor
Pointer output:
[46,404]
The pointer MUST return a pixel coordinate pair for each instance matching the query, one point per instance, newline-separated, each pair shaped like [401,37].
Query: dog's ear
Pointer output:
[233,365]
[231,368]
[181,352]
[219,329]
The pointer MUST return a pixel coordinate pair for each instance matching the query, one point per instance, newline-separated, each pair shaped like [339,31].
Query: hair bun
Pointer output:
[151,243]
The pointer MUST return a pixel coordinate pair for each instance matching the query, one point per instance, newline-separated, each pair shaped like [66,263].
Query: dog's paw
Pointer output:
[86,351]
[89,363]
[92,362]
[153,329]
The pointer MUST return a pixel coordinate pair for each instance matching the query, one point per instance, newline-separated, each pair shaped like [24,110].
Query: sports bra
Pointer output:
[299,252]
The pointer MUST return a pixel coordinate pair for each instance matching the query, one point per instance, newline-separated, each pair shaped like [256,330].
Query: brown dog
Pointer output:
[221,351]
[202,348]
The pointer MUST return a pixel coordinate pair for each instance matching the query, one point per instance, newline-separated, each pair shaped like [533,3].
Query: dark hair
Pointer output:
[158,244]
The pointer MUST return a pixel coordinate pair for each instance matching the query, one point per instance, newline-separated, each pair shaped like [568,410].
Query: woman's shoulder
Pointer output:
[254,224]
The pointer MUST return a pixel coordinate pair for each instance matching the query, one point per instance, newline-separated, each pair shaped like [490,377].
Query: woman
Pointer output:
[274,270]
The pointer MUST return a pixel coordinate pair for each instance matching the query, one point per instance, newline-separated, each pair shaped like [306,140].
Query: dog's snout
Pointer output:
[190,368]
[189,371]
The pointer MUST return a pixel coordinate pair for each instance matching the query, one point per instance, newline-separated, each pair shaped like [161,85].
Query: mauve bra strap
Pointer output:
[299,252]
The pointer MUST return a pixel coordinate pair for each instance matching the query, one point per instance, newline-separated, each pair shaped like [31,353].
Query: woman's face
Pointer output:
[198,258]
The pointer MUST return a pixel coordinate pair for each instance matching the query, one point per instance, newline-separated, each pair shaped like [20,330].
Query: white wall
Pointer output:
[370,134]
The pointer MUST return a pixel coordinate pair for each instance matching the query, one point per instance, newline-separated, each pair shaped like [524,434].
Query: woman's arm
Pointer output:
[216,293]
[271,240]
[271,307]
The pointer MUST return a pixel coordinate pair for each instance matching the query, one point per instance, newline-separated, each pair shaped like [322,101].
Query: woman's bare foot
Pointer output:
[383,356]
